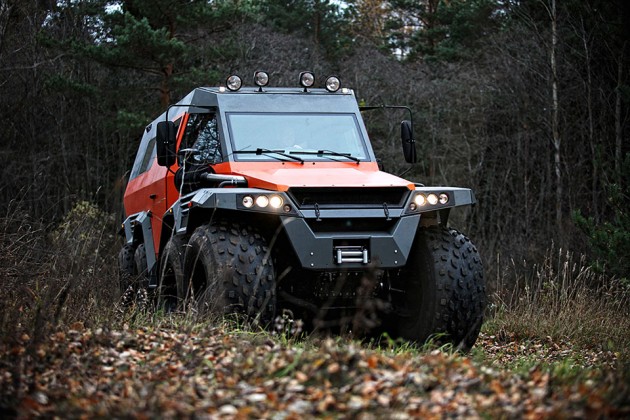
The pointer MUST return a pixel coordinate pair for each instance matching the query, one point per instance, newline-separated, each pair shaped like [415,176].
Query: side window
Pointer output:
[202,134]
[148,157]
[147,151]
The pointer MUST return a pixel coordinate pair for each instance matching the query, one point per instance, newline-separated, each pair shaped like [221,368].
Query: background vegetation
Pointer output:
[526,102]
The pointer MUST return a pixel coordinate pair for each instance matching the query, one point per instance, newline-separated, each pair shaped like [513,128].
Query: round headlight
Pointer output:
[234,83]
[261,78]
[276,201]
[333,84]
[262,201]
[420,200]
[248,201]
[307,79]
[443,198]
[432,199]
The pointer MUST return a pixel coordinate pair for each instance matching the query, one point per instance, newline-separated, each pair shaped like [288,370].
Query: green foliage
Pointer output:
[322,21]
[440,30]
[610,239]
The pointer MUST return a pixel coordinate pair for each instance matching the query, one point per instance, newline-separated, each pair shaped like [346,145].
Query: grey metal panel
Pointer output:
[345,213]
[315,250]
[142,220]
[281,101]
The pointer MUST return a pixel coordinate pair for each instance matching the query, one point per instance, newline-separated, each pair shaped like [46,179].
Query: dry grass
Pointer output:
[54,275]
[563,298]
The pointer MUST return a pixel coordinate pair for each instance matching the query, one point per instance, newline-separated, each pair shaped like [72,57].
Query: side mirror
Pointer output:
[408,143]
[165,139]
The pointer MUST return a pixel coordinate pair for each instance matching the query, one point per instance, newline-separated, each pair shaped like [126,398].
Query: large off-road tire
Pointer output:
[126,267]
[172,273]
[141,267]
[444,290]
[229,270]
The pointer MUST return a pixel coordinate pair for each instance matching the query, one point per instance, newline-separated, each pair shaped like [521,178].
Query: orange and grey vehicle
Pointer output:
[256,200]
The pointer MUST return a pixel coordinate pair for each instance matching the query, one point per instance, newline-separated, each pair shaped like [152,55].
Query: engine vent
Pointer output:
[334,197]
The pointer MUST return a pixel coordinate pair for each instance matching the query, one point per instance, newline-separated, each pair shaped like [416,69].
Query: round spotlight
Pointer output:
[286,208]
[420,200]
[261,78]
[432,199]
[234,83]
[333,84]
[248,201]
[262,201]
[307,79]
[276,201]
[443,198]
[413,207]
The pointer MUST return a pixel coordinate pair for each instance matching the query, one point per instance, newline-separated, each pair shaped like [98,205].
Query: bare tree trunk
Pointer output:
[618,123]
[556,140]
[5,14]
[591,128]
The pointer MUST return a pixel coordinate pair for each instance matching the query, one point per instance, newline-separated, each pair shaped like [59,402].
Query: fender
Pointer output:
[137,228]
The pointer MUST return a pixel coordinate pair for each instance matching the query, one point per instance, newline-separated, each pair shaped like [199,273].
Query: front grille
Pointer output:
[335,197]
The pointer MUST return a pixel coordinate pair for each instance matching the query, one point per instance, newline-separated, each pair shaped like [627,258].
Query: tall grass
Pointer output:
[55,274]
[562,297]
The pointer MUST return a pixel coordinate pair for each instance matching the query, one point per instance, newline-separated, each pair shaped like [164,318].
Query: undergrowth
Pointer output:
[564,299]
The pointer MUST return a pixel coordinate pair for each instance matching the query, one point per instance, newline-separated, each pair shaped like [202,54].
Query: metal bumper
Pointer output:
[335,251]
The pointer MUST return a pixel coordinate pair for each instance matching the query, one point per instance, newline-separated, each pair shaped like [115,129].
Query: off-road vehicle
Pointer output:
[255,200]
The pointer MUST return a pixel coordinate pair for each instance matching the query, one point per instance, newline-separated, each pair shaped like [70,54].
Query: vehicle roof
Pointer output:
[250,99]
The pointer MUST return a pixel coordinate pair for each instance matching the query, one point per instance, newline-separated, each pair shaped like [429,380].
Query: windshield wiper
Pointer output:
[260,151]
[327,153]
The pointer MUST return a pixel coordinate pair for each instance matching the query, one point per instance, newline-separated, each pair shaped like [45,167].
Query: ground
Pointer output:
[170,370]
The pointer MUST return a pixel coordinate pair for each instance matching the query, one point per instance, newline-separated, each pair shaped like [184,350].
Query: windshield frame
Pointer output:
[359,138]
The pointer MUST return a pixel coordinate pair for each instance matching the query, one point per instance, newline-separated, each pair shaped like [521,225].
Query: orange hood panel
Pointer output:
[281,177]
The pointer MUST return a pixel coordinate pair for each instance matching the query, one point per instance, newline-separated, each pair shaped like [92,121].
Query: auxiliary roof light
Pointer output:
[234,83]
[432,199]
[261,79]
[307,79]
[443,198]
[333,84]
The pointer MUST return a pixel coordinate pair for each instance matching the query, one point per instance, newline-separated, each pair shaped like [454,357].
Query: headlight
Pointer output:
[443,198]
[248,201]
[262,201]
[432,199]
[276,201]
[234,83]
[420,200]
[261,78]
[307,79]
[333,84]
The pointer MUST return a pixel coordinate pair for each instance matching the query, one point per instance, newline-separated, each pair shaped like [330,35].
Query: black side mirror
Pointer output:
[165,139]
[408,143]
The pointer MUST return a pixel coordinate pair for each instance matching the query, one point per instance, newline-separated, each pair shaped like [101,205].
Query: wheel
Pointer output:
[126,267]
[171,285]
[141,267]
[444,290]
[230,271]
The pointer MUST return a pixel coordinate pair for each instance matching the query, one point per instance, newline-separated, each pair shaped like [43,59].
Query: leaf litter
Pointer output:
[220,373]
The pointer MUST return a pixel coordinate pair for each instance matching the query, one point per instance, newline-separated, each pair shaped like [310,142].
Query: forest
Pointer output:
[526,102]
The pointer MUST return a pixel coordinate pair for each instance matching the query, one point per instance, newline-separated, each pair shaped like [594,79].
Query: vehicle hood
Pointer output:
[281,179]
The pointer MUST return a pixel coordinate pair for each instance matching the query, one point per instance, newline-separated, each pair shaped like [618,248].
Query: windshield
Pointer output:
[296,134]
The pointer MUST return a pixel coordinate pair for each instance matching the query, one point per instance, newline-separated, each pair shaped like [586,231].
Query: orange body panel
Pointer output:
[280,176]
[154,191]
[147,192]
